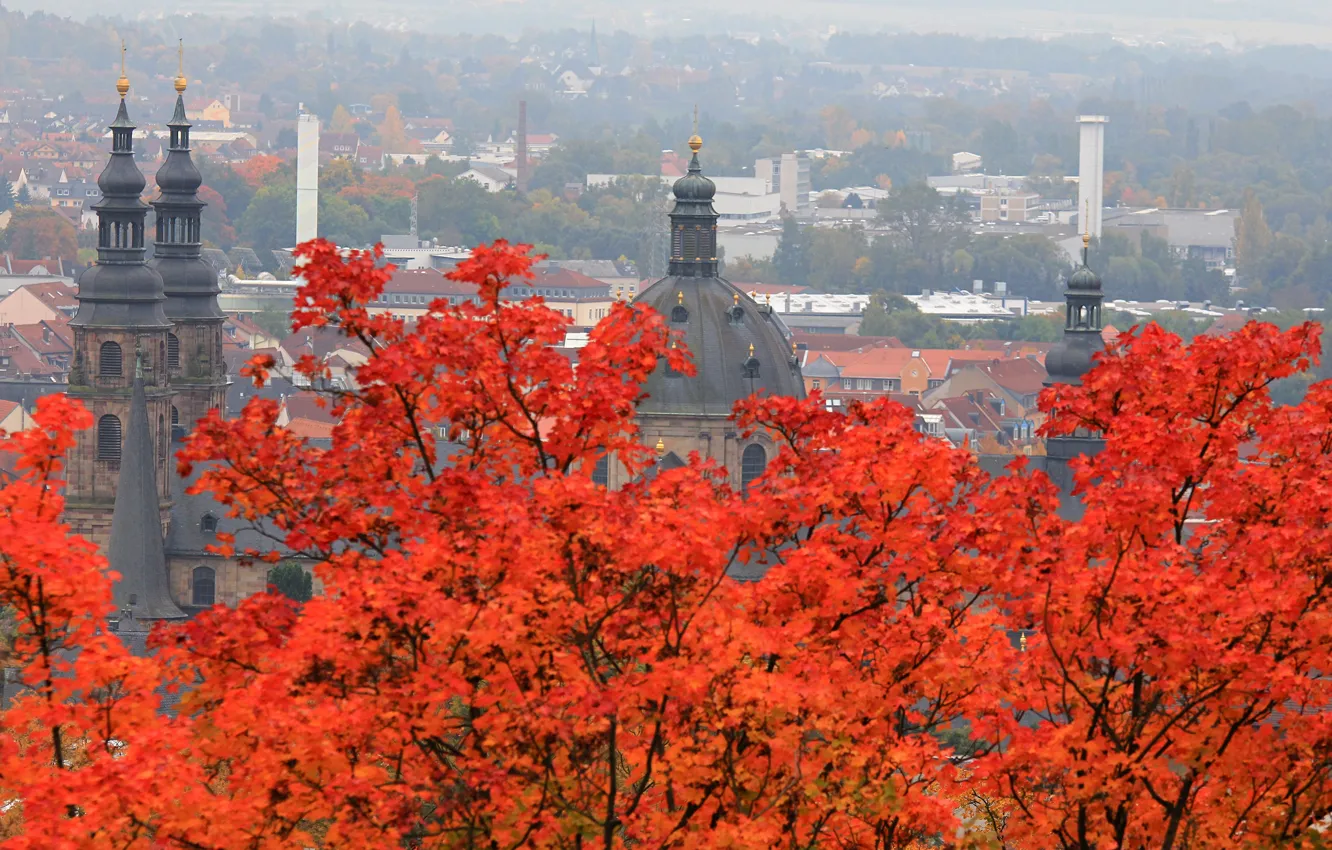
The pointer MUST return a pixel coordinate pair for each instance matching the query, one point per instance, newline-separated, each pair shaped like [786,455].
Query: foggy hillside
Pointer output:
[1229,22]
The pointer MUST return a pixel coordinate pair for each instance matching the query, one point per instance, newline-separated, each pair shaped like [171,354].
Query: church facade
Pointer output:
[148,365]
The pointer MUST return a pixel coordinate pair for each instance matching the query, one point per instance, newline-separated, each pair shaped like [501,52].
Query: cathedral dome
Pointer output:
[739,348]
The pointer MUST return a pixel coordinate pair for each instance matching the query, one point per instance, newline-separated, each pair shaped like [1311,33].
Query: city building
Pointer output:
[788,174]
[1207,235]
[1010,207]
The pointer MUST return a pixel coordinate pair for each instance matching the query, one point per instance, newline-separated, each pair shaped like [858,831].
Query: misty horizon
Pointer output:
[1233,24]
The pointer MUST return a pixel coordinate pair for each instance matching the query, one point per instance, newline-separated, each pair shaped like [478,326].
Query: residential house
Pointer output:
[491,178]
[339,145]
[48,301]
[201,109]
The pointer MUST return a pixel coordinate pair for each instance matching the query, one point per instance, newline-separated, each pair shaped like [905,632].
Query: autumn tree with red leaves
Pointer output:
[510,655]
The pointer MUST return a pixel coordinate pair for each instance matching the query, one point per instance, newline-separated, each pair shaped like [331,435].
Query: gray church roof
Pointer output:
[135,548]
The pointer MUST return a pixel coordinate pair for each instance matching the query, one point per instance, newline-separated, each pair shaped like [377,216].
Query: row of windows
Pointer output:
[177,229]
[111,434]
[111,359]
[752,462]
[120,234]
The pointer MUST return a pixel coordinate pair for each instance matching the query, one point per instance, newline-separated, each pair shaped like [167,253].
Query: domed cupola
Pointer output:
[739,346]
[120,290]
[1072,356]
[694,221]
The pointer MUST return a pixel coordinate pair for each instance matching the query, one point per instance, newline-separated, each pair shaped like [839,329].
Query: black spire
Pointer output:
[120,290]
[135,548]
[694,222]
[1071,357]
[189,283]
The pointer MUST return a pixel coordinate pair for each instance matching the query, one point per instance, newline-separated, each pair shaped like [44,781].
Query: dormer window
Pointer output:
[208,525]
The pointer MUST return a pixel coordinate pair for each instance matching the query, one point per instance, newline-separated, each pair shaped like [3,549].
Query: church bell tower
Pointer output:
[194,346]
[119,323]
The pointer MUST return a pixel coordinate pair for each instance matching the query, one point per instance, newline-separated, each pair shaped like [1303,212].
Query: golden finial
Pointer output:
[794,351]
[767,298]
[735,299]
[695,141]
[661,447]
[1086,225]
[181,82]
[751,349]
[679,298]
[1022,642]
[122,84]
[619,293]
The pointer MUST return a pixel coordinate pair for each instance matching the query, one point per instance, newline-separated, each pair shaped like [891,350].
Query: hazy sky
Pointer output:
[1176,21]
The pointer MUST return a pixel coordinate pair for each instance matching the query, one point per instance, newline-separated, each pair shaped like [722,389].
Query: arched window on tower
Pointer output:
[109,360]
[108,437]
[601,472]
[203,587]
[752,463]
[173,351]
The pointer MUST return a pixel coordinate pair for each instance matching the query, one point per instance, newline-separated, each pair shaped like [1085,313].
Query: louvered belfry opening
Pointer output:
[109,437]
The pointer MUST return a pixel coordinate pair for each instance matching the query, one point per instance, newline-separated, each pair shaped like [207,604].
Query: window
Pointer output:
[815,384]
[175,415]
[109,362]
[601,472]
[173,352]
[208,525]
[108,438]
[203,587]
[751,464]
[864,383]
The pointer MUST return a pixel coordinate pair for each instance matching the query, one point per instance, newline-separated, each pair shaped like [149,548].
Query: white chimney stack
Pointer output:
[1091,172]
[307,177]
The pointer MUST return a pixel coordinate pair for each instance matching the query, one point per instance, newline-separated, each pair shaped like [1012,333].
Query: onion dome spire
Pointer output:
[694,219]
[1071,357]
[120,290]
[189,283]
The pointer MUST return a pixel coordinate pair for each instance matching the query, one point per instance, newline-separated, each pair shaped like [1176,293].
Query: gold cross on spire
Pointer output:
[1086,224]
[122,84]
[181,82]
[695,141]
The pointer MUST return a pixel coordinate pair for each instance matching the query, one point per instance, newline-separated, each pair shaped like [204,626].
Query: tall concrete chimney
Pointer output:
[520,150]
[307,177]
[1091,172]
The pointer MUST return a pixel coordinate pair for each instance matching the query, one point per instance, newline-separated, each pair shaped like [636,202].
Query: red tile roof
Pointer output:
[1023,376]
[306,405]
[310,429]
[844,342]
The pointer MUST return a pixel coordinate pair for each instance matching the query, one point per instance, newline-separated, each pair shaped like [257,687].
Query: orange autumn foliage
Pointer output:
[509,655]
[256,170]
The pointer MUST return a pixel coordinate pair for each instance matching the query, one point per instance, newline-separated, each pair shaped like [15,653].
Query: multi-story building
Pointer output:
[788,174]
[1009,207]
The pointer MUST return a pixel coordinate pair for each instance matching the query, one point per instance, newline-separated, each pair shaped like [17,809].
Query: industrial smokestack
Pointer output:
[978,286]
[1091,172]
[520,153]
[307,177]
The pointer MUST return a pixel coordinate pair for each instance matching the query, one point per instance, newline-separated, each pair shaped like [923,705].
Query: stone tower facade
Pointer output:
[194,362]
[120,328]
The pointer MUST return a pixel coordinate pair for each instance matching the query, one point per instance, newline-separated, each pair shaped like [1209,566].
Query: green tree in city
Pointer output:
[292,581]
